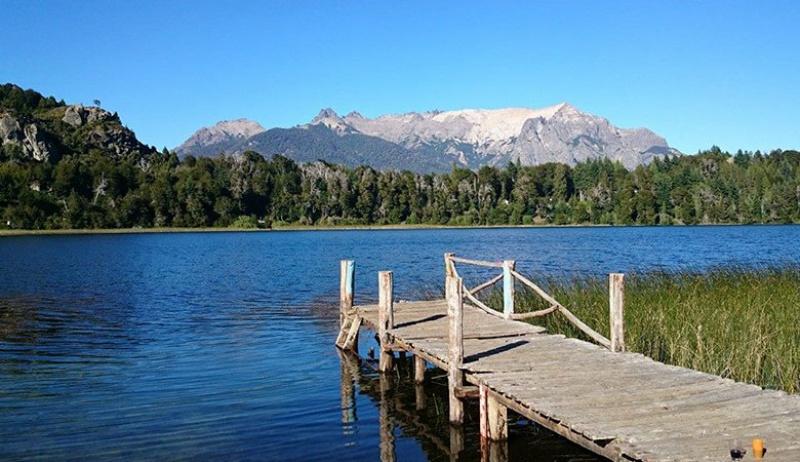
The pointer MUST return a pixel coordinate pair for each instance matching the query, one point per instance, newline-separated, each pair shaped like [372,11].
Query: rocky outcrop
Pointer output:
[35,144]
[10,129]
[74,116]
[78,115]
[46,136]
[28,138]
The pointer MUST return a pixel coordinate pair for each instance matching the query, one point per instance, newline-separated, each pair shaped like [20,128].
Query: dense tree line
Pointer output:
[94,191]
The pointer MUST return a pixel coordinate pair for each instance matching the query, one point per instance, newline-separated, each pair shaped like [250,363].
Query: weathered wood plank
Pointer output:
[616,301]
[622,406]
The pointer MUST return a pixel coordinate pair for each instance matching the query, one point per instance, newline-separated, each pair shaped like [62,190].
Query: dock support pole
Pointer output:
[508,288]
[420,399]
[419,369]
[616,303]
[455,360]
[494,416]
[346,282]
[448,272]
[385,319]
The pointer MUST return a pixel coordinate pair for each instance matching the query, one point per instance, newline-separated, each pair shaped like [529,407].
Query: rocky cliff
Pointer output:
[38,128]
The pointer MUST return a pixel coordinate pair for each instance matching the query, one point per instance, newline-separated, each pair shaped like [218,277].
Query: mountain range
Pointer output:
[434,141]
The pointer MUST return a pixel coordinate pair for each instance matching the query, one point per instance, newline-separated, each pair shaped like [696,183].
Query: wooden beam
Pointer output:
[616,305]
[485,285]
[346,285]
[385,319]
[591,333]
[351,341]
[419,369]
[494,416]
[534,314]
[467,392]
[455,375]
[468,261]
[420,398]
[481,305]
[508,288]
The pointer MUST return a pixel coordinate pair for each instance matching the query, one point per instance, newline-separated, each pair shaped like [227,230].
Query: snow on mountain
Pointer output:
[220,137]
[437,139]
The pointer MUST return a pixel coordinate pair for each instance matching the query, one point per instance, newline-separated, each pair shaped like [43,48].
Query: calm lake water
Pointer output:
[220,345]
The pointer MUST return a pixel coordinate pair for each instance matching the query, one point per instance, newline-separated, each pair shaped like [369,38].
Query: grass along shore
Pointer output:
[294,227]
[44,232]
[737,323]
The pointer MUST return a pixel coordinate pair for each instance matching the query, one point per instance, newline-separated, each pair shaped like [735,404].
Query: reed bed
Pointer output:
[738,323]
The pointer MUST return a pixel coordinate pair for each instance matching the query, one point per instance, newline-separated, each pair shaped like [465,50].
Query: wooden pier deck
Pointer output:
[622,406]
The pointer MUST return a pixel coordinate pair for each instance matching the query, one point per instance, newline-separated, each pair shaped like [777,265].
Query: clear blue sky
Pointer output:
[698,73]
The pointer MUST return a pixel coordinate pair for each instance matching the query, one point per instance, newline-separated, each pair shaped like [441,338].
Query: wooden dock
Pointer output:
[620,405]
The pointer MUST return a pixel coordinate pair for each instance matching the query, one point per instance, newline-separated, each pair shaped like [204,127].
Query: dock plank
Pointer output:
[623,406]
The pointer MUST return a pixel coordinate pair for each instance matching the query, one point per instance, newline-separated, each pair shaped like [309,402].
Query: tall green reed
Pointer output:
[735,322]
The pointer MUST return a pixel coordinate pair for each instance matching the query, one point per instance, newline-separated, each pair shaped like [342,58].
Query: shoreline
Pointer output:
[100,231]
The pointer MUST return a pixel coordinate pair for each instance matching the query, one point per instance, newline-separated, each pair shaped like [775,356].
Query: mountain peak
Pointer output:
[325,113]
[219,137]
[238,127]
[423,141]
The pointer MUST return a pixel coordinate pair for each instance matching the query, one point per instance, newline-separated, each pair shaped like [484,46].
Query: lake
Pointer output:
[220,345]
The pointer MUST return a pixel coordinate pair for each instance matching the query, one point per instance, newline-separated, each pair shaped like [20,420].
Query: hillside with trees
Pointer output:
[81,168]
[94,191]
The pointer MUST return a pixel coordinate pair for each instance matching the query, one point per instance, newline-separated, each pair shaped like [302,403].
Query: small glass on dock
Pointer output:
[737,450]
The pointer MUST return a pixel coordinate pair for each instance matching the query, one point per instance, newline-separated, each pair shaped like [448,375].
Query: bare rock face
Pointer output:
[476,137]
[35,128]
[10,130]
[435,140]
[77,115]
[219,138]
[35,145]
[74,116]
[571,136]
[30,140]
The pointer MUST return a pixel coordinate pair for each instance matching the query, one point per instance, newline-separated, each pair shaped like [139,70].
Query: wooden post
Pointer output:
[616,303]
[346,283]
[455,359]
[419,369]
[419,396]
[494,416]
[508,288]
[448,266]
[385,319]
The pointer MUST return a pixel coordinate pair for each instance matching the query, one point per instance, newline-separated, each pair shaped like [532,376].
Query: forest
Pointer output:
[92,190]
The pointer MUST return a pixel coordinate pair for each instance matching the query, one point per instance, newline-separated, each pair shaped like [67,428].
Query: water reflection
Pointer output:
[211,346]
[420,411]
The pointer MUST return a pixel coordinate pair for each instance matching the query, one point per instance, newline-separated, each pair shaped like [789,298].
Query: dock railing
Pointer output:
[509,274]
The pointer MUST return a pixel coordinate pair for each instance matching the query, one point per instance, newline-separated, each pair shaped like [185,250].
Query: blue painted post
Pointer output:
[508,289]
[346,284]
